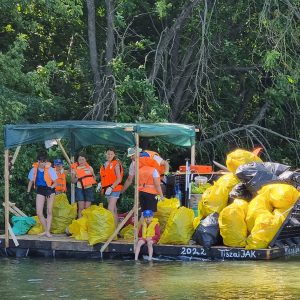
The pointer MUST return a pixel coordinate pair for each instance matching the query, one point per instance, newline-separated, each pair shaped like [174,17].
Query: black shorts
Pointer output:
[148,201]
[45,191]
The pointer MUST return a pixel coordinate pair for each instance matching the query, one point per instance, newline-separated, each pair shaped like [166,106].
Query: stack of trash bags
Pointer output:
[244,208]
[251,202]
[62,216]
[95,226]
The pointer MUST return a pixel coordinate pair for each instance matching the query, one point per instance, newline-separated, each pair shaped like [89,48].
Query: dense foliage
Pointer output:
[229,67]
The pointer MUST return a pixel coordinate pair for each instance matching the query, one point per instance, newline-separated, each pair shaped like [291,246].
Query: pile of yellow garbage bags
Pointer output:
[252,224]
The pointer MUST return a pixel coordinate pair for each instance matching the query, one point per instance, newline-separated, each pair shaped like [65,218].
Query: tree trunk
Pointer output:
[93,51]
[109,53]
[168,34]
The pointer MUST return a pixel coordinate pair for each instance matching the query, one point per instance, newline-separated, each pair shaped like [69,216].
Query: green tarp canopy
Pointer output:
[84,133]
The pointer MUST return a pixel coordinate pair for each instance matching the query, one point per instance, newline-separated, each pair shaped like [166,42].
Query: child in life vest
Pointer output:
[83,175]
[61,184]
[43,177]
[149,234]
[111,174]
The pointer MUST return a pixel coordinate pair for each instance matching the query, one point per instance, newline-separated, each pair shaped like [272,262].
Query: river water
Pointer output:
[30,278]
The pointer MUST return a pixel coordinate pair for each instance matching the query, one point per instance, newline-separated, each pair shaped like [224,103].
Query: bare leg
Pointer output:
[141,221]
[112,206]
[39,203]
[139,244]
[116,214]
[50,201]
[81,206]
[150,248]
[87,204]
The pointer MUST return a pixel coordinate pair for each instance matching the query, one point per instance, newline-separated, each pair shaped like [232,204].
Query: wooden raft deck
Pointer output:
[61,246]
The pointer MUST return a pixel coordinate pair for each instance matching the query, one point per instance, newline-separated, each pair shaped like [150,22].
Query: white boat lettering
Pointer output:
[291,251]
[231,253]
[192,251]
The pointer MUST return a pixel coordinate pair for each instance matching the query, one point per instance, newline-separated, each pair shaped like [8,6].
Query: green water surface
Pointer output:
[30,278]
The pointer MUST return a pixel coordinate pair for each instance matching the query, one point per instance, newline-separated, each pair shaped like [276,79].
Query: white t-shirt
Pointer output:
[131,172]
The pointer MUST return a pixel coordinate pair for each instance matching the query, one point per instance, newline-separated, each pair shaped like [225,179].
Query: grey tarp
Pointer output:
[84,133]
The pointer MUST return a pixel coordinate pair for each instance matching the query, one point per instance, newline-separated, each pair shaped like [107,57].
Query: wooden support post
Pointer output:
[193,154]
[136,191]
[13,205]
[6,195]
[72,185]
[11,209]
[13,235]
[116,231]
[15,155]
[193,150]
[64,152]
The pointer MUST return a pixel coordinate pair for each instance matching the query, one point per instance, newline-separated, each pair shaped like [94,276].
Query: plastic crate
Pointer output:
[197,169]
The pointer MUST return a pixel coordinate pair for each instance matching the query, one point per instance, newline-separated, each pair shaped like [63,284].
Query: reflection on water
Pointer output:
[95,279]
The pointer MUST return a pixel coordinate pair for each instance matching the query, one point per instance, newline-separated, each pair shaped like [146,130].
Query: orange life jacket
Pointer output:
[151,162]
[61,182]
[47,176]
[108,175]
[84,174]
[146,182]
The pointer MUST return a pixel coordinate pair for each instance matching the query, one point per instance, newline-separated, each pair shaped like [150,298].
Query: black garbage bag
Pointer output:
[239,191]
[254,176]
[276,168]
[290,177]
[207,233]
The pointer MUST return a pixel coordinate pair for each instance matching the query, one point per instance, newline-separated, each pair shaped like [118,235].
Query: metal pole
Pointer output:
[6,195]
[136,190]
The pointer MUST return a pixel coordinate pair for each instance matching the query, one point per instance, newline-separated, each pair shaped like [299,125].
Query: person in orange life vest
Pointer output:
[111,174]
[83,175]
[44,178]
[149,234]
[149,189]
[160,164]
[61,184]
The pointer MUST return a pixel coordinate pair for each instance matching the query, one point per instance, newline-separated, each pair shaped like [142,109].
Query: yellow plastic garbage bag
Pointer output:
[240,157]
[179,228]
[232,223]
[79,230]
[127,233]
[196,222]
[264,230]
[282,213]
[63,213]
[280,195]
[164,209]
[37,228]
[87,211]
[228,180]
[215,198]
[101,225]
[257,206]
